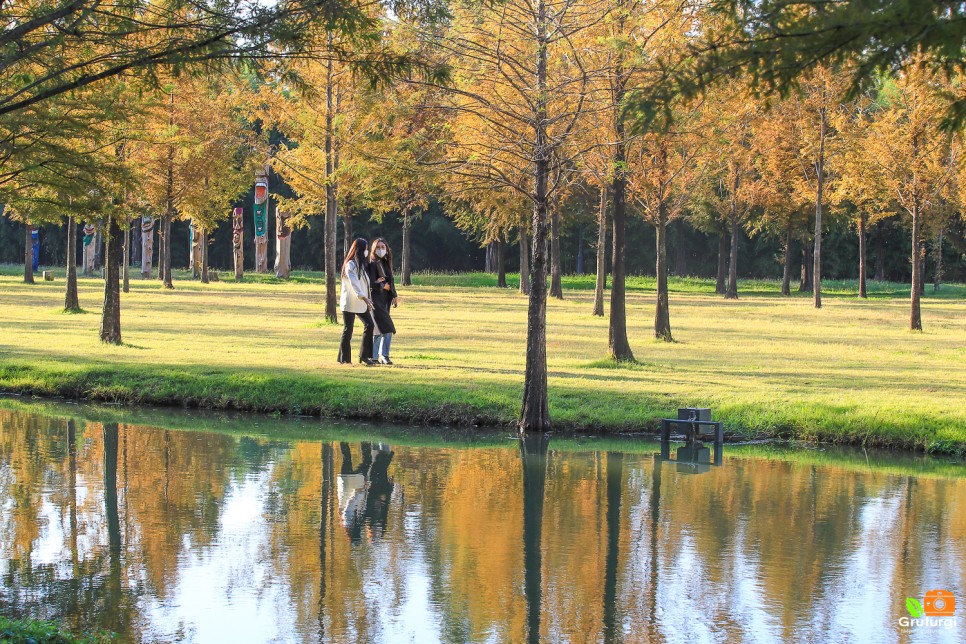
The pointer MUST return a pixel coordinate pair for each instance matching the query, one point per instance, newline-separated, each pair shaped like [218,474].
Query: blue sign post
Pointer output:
[35,238]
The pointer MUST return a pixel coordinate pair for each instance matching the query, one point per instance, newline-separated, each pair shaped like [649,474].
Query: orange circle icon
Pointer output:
[939,603]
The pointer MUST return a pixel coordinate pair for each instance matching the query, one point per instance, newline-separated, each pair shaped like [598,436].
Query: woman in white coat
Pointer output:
[356,302]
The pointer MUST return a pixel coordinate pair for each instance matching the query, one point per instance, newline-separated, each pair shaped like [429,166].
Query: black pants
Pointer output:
[345,349]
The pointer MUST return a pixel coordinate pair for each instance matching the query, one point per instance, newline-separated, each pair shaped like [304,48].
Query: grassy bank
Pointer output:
[767,365]
[303,428]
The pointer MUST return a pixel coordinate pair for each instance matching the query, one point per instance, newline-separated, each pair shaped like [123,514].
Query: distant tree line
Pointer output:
[438,245]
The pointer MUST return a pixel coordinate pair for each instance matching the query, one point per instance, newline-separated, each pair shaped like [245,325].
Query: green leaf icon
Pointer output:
[914,606]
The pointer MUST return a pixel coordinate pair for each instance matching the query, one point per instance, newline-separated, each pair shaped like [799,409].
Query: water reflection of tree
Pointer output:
[784,530]
[533,452]
[325,512]
[114,617]
[615,490]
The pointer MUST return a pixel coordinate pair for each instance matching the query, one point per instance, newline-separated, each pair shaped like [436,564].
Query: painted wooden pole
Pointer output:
[283,244]
[261,221]
[237,242]
[147,244]
[90,248]
[194,261]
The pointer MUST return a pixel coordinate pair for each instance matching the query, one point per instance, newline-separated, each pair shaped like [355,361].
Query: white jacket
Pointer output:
[355,287]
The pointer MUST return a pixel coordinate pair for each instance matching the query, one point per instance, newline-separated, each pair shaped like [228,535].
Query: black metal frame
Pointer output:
[692,433]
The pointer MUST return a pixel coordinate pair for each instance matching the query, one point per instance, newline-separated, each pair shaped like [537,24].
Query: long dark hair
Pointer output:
[356,252]
[387,260]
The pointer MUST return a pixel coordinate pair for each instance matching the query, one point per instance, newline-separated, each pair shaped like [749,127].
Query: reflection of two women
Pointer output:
[364,491]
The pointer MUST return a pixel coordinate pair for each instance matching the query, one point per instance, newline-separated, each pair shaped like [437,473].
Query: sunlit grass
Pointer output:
[767,365]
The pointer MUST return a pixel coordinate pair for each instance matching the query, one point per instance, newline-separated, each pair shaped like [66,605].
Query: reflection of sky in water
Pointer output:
[857,602]
[699,573]
[749,604]
[228,591]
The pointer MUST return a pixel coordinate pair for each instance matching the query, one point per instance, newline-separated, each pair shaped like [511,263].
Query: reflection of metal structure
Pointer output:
[261,221]
[147,244]
[693,420]
[283,244]
[237,241]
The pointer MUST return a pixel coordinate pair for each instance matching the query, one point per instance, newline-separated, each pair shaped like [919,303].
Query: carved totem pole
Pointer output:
[283,244]
[194,261]
[147,244]
[237,241]
[35,242]
[90,248]
[261,221]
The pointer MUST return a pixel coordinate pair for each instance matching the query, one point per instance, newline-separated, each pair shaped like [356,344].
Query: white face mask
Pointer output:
[380,252]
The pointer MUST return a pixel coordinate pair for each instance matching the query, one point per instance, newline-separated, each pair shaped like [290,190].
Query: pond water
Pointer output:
[183,527]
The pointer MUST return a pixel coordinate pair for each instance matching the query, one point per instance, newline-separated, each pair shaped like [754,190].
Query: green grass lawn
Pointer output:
[767,365]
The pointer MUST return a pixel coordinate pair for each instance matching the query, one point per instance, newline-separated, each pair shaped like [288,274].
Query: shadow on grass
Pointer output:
[622,365]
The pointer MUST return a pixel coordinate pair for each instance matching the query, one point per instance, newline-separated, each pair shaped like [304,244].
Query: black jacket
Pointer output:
[381,298]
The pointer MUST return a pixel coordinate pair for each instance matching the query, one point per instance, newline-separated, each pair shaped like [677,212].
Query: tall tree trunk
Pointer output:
[406,270]
[719,286]
[347,234]
[680,249]
[111,314]
[601,283]
[862,258]
[533,453]
[915,317]
[806,283]
[28,256]
[165,263]
[938,254]
[732,292]
[787,263]
[922,268]
[162,240]
[204,257]
[524,261]
[662,315]
[126,263]
[819,198]
[167,251]
[71,301]
[135,238]
[535,410]
[580,250]
[500,263]
[331,205]
[880,252]
[620,348]
[556,288]
[489,259]
[98,249]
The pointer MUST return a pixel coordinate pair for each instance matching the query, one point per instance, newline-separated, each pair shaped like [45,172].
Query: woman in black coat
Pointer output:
[384,296]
